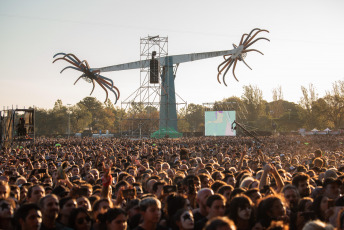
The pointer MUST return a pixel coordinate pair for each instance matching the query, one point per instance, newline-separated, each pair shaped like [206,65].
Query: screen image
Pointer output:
[219,123]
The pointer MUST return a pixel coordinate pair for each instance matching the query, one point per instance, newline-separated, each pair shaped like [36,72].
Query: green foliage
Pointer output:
[252,110]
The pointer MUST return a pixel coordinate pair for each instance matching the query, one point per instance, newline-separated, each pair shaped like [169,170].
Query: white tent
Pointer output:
[315,130]
[327,130]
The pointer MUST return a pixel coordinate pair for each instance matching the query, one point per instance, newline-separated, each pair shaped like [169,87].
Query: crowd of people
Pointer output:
[211,183]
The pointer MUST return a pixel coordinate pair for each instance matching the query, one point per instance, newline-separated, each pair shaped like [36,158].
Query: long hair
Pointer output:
[242,202]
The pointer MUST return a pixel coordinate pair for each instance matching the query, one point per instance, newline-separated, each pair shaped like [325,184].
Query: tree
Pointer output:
[335,104]
[253,99]
[195,117]
[277,105]
[309,97]
[95,107]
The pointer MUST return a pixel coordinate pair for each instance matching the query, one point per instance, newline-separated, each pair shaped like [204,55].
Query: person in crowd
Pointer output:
[113,219]
[150,208]
[215,207]
[183,220]
[7,207]
[49,206]
[271,208]
[28,217]
[80,219]
[67,204]
[35,193]
[240,210]
[201,199]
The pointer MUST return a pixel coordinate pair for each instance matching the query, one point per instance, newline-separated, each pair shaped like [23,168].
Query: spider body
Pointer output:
[240,53]
[88,74]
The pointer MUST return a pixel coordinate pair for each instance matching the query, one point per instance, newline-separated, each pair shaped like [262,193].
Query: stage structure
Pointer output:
[168,110]
[17,126]
[148,96]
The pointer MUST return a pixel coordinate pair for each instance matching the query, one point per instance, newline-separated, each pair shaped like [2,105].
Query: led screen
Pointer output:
[219,123]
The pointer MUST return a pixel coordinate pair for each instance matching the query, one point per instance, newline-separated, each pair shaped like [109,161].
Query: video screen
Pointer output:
[219,123]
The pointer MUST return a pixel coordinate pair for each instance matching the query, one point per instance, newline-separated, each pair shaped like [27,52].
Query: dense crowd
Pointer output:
[211,183]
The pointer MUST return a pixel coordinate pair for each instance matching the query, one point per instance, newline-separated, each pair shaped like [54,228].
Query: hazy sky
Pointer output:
[307,46]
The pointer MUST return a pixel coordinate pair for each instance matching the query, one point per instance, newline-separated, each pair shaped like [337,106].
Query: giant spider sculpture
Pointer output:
[89,74]
[240,54]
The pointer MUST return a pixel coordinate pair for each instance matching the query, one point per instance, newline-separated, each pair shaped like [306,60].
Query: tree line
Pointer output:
[252,110]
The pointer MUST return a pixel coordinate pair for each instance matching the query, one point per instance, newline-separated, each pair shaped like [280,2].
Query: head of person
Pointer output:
[113,219]
[150,208]
[305,204]
[83,202]
[184,219]
[100,207]
[292,196]
[220,223]
[4,189]
[301,182]
[241,209]
[202,196]
[226,191]
[79,219]
[49,206]
[174,202]
[320,206]
[67,204]
[272,207]
[215,205]
[7,207]
[28,217]
[254,194]
[332,187]
[35,193]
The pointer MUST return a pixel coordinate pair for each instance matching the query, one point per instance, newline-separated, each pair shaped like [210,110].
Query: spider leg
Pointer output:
[220,71]
[249,35]
[107,94]
[71,58]
[242,37]
[107,84]
[59,54]
[84,61]
[92,87]
[246,51]
[234,69]
[70,54]
[226,60]
[107,79]
[249,40]
[229,66]
[255,42]
[79,78]
[71,67]
[246,64]
[65,60]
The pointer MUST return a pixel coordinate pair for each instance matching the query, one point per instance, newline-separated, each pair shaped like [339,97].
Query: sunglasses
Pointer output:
[81,220]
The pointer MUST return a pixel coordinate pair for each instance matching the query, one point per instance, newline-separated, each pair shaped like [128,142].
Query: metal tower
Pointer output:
[154,96]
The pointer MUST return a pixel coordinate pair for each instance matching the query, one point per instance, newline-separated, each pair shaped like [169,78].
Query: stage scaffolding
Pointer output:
[143,105]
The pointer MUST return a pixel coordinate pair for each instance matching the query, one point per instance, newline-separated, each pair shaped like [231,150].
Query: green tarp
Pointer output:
[169,132]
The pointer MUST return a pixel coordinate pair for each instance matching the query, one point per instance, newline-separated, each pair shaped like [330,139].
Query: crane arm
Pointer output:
[176,59]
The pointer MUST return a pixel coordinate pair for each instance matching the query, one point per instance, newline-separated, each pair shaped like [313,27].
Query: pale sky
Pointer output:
[307,46]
